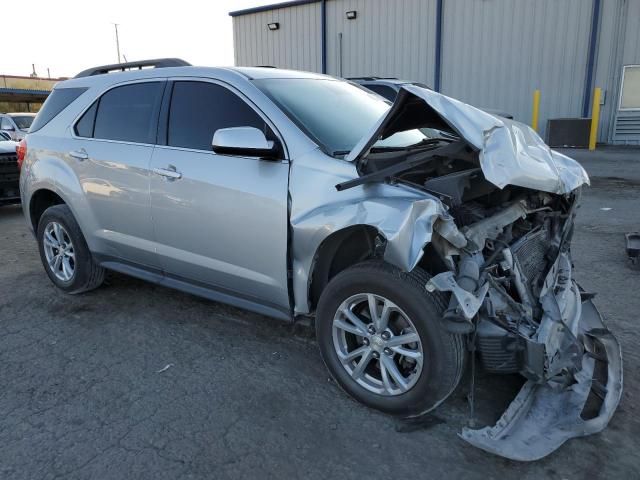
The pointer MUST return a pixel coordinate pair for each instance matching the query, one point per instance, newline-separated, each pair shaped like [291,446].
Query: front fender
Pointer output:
[405,217]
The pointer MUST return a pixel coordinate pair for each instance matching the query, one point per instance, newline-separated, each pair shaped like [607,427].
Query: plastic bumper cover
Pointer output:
[542,417]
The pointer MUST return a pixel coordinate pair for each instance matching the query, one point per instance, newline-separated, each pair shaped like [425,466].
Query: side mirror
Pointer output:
[9,128]
[243,141]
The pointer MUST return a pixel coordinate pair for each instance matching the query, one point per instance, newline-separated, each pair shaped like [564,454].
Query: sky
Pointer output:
[68,36]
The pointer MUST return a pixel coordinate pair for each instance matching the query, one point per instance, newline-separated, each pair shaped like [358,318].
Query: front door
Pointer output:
[219,220]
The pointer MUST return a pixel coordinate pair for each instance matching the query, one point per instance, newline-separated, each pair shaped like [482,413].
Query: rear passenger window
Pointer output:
[129,113]
[198,109]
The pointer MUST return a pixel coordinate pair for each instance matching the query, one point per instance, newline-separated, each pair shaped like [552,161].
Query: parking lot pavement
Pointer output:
[137,381]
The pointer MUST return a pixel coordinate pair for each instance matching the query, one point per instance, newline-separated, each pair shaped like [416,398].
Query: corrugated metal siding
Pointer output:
[497,52]
[296,45]
[627,123]
[607,72]
[388,39]
[631,55]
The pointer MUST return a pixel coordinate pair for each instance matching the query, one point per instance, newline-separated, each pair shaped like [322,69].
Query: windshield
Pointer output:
[23,122]
[335,114]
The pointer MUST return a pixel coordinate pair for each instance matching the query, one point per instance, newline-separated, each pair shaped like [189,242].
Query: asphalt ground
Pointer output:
[137,381]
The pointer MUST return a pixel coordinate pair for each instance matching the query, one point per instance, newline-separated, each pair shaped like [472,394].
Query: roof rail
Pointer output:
[368,78]
[121,67]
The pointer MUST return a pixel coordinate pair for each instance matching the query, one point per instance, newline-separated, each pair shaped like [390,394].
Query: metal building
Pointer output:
[490,53]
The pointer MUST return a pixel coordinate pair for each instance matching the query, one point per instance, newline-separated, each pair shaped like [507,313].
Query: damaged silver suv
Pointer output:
[413,232]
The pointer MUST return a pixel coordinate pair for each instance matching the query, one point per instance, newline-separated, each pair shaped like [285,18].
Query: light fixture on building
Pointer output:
[273,26]
[351,15]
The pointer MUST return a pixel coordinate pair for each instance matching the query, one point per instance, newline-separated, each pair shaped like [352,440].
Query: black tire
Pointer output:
[444,353]
[87,273]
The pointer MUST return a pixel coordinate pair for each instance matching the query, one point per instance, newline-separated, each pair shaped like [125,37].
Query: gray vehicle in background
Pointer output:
[412,233]
[16,125]
[389,88]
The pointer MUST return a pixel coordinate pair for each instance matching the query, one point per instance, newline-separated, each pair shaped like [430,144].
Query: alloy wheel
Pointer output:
[377,344]
[59,251]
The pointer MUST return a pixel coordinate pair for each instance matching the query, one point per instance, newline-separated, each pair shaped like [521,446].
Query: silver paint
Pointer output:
[238,224]
[510,152]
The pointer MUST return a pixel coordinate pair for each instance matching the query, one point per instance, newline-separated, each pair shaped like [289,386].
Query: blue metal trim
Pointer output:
[323,29]
[273,6]
[438,65]
[593,40]
[24,91]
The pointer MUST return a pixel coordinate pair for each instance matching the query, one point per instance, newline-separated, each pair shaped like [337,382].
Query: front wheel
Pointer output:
[380,336]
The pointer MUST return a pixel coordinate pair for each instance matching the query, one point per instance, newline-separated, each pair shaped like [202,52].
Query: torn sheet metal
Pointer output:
[404,216]
[541,418]
[510,152]
[469,303]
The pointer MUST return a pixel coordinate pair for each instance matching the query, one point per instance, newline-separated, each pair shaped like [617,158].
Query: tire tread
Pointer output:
[453,365]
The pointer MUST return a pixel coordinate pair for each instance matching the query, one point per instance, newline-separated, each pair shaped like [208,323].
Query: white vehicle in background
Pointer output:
[16,125]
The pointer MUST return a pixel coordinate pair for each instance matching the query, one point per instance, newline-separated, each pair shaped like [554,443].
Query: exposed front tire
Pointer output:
[397,359]
[64,252]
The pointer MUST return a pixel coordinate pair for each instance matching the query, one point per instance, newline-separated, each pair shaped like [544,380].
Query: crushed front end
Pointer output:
[502,250]
[512,289]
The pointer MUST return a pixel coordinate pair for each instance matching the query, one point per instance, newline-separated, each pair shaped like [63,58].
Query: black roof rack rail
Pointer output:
[121,67]
[368,78]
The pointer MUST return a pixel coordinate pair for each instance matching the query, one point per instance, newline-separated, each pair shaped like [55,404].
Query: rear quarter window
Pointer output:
[56,102]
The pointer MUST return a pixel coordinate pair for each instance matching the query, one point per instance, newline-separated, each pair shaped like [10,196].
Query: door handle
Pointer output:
[79,154]
[169,173]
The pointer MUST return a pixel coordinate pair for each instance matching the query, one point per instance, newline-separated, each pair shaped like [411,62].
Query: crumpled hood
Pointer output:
[510,152]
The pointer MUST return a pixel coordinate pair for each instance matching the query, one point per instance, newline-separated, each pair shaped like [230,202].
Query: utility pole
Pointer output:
[117,42]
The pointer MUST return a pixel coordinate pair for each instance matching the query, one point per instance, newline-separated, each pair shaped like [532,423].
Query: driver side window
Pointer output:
[198,109]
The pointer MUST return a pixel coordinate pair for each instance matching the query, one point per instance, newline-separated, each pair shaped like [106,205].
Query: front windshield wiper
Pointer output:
[337,153]
[427,142]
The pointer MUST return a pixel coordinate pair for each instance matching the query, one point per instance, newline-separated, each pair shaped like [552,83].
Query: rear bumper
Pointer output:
[544,416]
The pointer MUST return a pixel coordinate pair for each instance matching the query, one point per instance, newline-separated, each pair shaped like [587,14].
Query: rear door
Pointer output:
[112,145]
[224,221]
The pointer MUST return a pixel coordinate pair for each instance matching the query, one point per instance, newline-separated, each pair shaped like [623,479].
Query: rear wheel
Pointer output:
[381,338]
[64,252]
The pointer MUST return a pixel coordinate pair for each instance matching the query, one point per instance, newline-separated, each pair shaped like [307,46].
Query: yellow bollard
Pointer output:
[536,110]
[595,117]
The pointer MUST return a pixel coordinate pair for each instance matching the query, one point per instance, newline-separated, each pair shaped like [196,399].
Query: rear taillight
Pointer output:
[21,151]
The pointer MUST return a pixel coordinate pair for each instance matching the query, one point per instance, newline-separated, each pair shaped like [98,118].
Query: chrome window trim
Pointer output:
[243,97]
[97,97]
[188,78]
